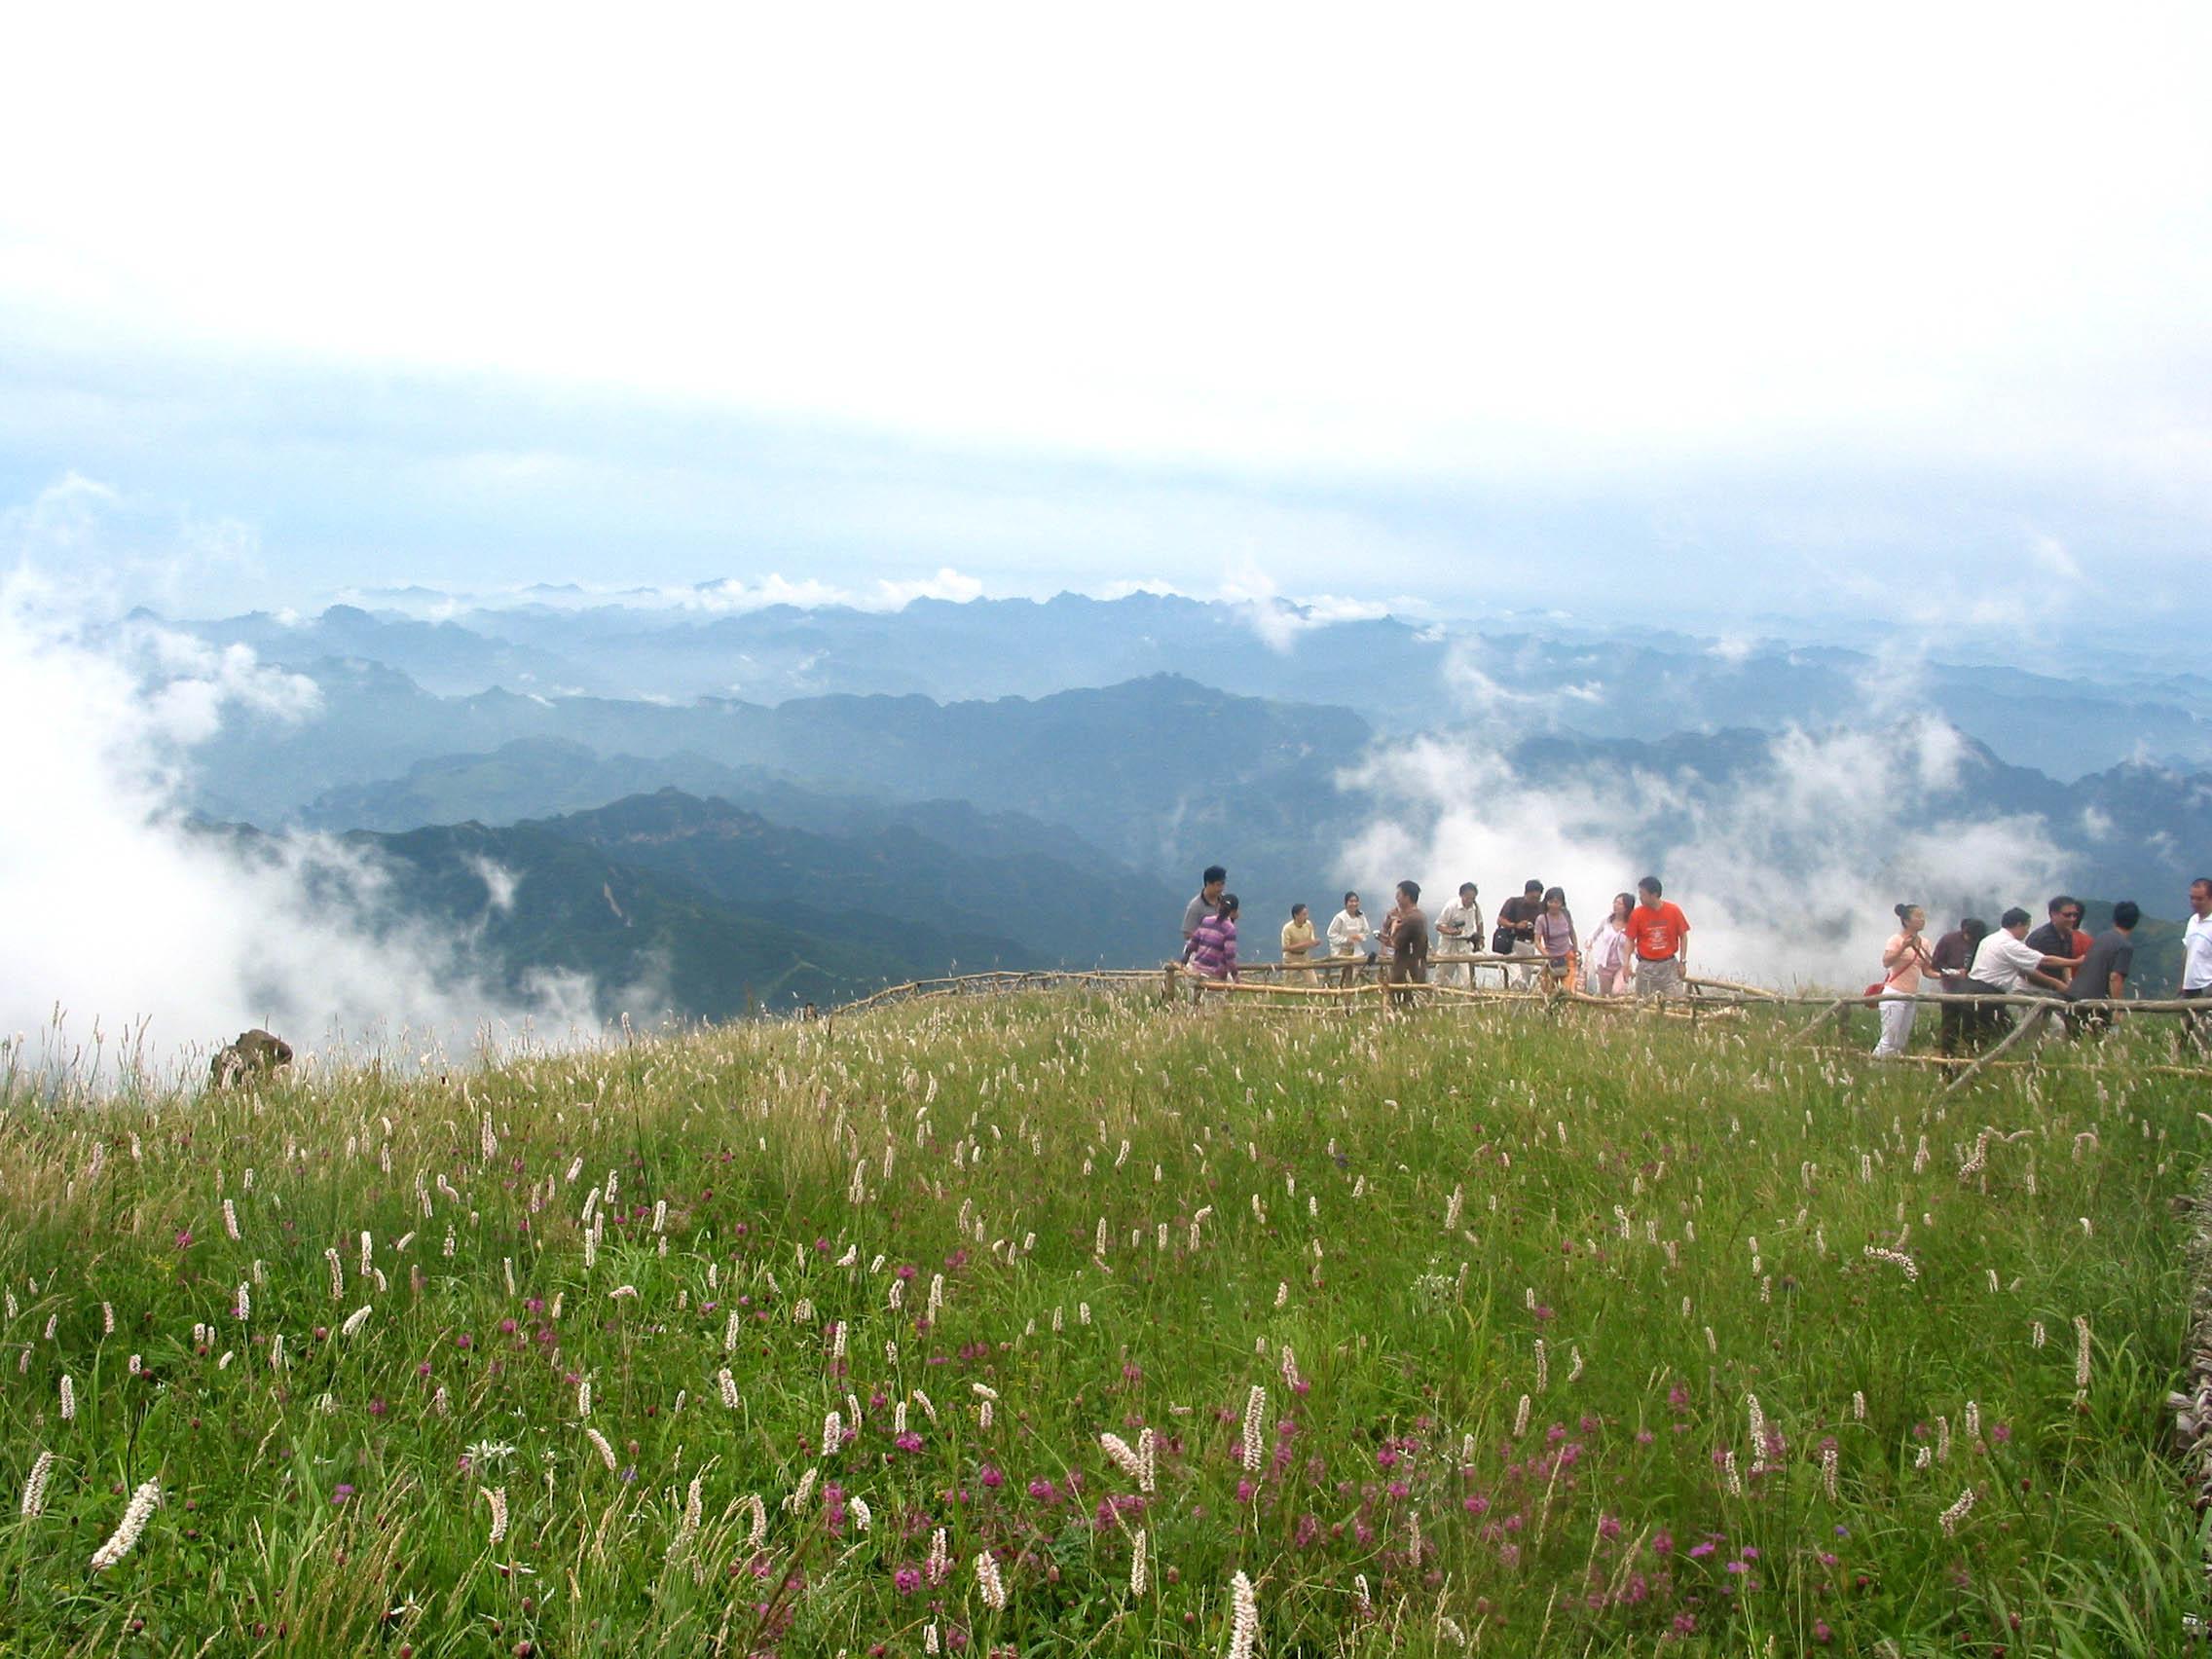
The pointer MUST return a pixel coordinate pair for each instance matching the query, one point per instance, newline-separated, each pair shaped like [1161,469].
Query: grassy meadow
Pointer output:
[1417,1333]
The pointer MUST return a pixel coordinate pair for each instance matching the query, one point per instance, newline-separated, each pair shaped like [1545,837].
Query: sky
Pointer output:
[1900,317]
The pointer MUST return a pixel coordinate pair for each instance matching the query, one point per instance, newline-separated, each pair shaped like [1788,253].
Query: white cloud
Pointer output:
[1734,650]
[1474,689]
[734,595]
[1484,696]
[1125,588]
[946,584]
[1250,590]
[2051,557]
[1787,876]
[193,684]
[120,914]
[731,596]
[83,545]
[1896,680]
[1324,609]
[500,884]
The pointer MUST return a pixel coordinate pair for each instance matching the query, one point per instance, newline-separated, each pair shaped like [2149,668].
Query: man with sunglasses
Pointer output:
[2063,935]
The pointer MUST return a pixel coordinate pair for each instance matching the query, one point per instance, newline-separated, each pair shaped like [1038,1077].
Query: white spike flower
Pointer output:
[497,1497]
[34,1488]
[600,1444]
[988,1582]
[140,1509]
[1245,1617]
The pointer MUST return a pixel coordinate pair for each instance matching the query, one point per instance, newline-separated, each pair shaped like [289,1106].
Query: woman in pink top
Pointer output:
[1608,952]
[1903,959]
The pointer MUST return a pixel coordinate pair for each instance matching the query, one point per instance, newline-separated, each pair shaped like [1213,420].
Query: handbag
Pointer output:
[1501,942]
[1872,994]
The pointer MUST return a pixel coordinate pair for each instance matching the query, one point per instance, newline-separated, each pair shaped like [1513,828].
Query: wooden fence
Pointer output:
[1529,983]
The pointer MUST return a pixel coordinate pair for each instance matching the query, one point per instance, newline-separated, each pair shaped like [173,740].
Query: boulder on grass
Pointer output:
[255,1057]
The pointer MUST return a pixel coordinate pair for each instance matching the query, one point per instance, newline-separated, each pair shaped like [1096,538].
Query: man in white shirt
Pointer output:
[1348,935]
[2007,965]
[2196,959]
[1459,929]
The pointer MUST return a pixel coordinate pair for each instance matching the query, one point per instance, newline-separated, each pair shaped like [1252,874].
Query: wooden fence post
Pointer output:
[2035,1018]
[1818,1020]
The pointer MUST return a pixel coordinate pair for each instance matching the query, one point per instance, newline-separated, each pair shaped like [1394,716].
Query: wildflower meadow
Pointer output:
[1085,1324]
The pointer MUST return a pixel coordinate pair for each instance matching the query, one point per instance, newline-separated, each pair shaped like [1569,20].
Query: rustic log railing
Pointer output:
[1285,986]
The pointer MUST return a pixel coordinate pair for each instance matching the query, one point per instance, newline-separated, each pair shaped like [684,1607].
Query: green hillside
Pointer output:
[1062,904]
[650,942]
[1037,1326]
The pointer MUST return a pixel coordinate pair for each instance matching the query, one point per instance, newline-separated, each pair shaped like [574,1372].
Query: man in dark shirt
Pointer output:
[2056,936]
[1952,956]
[1517,922]
[1204,901]
[2104,969]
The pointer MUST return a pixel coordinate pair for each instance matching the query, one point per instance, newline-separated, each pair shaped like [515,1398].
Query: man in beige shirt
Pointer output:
[1298,939]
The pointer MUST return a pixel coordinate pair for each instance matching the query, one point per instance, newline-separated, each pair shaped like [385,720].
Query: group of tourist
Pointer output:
[2060,962]
[1639,947]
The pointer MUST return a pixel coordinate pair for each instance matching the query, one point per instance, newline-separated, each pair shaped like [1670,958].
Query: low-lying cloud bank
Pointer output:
[122,918]
[1787,876]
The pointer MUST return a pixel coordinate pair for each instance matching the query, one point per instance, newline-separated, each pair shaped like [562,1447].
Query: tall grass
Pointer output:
[1568,1331]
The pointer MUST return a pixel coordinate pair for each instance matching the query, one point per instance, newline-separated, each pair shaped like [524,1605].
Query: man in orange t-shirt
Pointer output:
[1661,934]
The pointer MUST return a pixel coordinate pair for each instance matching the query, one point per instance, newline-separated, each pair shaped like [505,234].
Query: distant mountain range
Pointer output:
[669,904]
[1148,780]
[829,826]
[2065,718]
[1164,774]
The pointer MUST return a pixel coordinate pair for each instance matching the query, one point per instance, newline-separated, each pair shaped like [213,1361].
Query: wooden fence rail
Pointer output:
[1270,985]
[1706,991]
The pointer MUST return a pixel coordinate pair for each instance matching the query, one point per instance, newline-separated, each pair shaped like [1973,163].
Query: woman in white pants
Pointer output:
[1903,959]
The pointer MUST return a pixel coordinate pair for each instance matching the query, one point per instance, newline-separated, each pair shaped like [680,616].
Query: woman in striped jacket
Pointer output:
[1211,953]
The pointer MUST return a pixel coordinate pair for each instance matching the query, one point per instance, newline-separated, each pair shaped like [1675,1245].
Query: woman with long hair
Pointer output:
[1613,967]
[1903,960]
[1555,936]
